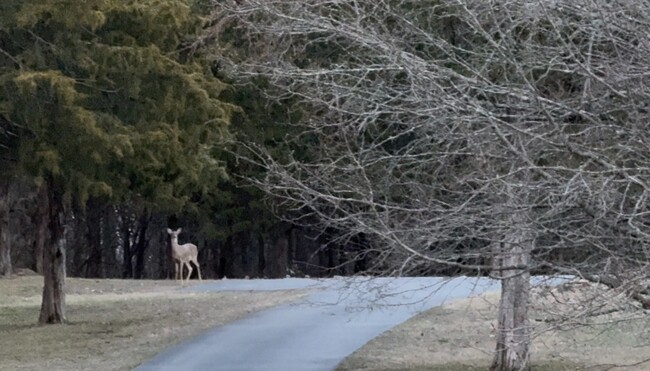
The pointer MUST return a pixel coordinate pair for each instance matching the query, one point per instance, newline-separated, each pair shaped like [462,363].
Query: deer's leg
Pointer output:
[198,268]
[189,270]
[181,264]
[178,270]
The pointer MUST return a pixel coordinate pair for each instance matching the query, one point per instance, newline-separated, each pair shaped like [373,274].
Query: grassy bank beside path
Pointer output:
[459,336]
[113,324]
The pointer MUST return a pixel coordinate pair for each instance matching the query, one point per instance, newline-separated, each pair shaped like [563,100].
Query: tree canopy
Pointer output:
[106,95]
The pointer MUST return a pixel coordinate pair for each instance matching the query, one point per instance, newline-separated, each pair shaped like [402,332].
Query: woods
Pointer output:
[114,127]
[502,138]
[386,138]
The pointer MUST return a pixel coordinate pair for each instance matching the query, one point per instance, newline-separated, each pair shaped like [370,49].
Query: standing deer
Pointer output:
[183,255]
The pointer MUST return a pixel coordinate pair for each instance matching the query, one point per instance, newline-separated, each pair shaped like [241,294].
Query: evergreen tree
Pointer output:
[109,101]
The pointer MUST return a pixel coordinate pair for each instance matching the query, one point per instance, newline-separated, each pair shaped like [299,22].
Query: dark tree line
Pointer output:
[114,127]
[124,241]
[502,137]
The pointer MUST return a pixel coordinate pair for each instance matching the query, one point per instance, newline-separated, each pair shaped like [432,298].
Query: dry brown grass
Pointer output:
[460,336]
[113,324]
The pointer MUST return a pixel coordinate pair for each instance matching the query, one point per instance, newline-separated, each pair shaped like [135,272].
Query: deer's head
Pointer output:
[174,234]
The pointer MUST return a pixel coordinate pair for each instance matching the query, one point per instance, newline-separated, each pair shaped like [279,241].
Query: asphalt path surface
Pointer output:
[337,318]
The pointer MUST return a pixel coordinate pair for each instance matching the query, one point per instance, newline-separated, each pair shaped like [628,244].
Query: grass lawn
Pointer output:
[113,324]
[460,336]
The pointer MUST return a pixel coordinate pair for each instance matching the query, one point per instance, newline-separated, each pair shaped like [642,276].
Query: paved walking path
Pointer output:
[316,334]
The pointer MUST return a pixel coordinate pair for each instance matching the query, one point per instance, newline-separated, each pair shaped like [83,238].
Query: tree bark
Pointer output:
[5,233]
[127,267]
[167,264]
[261,258]
[94,237]
[142,244]
[40,223]
[77,251]
[513,334]
[225,260]
[53,304]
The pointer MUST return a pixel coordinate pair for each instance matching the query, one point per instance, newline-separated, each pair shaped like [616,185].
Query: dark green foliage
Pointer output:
[243,208]
[104,97]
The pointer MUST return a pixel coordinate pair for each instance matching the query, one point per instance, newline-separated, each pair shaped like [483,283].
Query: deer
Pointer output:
[183,255]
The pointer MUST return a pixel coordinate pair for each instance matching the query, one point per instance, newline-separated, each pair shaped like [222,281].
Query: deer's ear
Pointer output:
[179,230]
[169,231]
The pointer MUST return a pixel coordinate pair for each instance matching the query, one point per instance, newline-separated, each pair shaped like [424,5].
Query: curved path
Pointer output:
[340,316]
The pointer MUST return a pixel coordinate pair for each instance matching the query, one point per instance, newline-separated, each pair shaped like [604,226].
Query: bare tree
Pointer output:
[5,232]
[7,159]
[505,136]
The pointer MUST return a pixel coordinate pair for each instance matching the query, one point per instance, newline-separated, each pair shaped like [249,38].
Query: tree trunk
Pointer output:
[53,304]
[77,250]
[127,267]
[261,258]
[40,224]
[167,263]
[139,264]
[5,249]
[226,258]
[513,336]
[5,233]
[94,238]
[142,244]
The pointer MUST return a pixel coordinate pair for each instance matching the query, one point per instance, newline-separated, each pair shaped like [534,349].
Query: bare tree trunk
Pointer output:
[127,267]
[167,264]
[513,336]
[53,304]
[142,243]
[261,257]
[5,233]
[94,237]
[110,242]
[225,261]
[5,249]
[40,224]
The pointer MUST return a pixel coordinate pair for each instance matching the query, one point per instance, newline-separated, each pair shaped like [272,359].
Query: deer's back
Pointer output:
[188,250]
